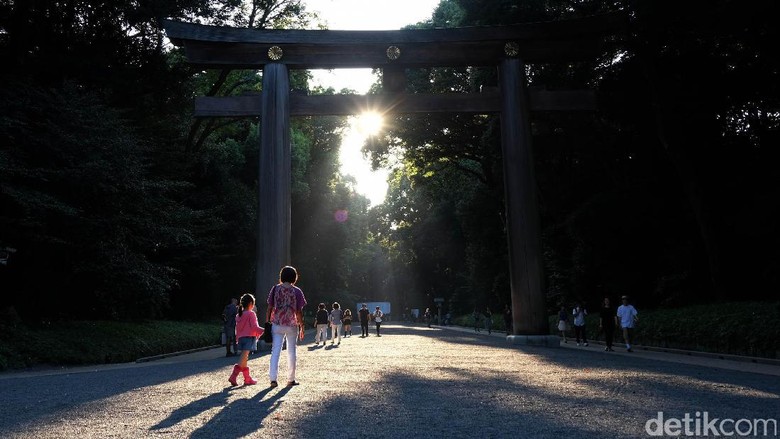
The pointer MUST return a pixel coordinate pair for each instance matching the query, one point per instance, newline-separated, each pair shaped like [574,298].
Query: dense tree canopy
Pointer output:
[661,194]
[119,204]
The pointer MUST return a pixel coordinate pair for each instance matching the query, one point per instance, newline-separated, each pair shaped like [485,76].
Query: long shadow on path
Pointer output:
[489,389]
[243,417]
[29,401]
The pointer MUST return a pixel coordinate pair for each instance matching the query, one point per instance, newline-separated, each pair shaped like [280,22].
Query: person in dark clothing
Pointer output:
[229,319]
[607,323]
[321,325]
[508,319]
[364,314]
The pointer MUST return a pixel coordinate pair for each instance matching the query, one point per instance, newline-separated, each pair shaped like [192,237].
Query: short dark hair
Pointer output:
[288,274]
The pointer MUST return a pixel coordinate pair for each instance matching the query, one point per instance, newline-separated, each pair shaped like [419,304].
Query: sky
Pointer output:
[363,15]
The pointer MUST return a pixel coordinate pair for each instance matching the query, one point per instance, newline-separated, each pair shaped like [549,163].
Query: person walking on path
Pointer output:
[488,320]
[321,325]
[563,322]
[336,317]
[428,316]
[229,327]
[378,315]
[508,319]
[247,332]
[627,318]
[476,316]
[364,314]
[285,312]
[579,314]
[347,323]
[607,322]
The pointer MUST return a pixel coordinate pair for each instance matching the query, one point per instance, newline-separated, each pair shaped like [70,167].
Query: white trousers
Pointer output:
[336,331]
[322,333]
[281,333]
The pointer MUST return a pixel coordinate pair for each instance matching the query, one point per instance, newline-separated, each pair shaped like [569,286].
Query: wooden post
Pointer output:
[273,210]
[522,216]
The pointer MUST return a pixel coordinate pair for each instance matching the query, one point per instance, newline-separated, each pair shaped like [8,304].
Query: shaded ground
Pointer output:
[411,382]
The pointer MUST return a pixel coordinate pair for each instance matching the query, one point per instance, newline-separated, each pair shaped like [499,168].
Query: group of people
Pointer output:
[624,317]
[284,319]
[341,320]
[487,318]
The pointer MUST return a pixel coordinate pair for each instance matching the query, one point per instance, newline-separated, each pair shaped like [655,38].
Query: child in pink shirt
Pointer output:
[247,332]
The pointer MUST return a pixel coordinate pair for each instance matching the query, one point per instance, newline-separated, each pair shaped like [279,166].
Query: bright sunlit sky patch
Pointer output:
[364,15]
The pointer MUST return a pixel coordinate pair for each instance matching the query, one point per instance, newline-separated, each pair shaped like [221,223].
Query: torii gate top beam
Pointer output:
[226,47]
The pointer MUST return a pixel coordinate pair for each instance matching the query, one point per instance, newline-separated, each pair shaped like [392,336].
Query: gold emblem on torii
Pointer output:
[393,53]
[275,53]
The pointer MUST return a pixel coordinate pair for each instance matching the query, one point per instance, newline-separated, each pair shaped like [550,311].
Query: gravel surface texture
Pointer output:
[413,382]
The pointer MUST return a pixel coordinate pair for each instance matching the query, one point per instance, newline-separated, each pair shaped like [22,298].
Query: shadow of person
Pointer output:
[242,417]
[195,408]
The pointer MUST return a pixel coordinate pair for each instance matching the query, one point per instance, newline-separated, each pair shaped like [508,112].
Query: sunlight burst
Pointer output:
[370,123]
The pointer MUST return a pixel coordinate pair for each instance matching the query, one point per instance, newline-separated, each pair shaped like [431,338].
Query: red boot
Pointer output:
[234,375]
[248,381]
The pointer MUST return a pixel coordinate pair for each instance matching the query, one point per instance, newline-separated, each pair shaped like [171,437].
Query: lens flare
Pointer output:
[341,216]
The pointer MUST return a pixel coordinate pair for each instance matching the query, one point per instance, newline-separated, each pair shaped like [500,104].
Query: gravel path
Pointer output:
[412,382]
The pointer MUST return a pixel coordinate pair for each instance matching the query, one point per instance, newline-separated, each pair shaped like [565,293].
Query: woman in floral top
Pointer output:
[285,312]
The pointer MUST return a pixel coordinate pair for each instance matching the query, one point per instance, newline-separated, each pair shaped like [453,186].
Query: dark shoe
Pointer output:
[629,350]
[274,384]
[292,383]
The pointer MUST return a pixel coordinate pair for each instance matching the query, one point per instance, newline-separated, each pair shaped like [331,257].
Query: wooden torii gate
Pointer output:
[507,47]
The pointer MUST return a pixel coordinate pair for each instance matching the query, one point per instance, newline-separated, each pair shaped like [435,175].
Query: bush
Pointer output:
[95,342]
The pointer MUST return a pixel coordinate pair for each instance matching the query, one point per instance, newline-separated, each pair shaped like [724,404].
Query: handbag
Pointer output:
[268,337]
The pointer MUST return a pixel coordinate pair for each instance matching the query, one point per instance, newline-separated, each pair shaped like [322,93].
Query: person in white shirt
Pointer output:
[378,314]
[627,318]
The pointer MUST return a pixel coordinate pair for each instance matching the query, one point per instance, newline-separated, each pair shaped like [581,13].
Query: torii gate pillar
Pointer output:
[522,215]
[273,210]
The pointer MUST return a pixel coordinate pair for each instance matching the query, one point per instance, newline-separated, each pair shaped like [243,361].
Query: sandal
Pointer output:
[274,384]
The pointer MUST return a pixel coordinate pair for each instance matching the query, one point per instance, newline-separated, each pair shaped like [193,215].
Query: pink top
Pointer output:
[247,326]
[285,301]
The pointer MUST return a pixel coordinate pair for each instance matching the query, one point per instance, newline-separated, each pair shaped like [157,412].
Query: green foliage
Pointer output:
[97,342]
[79,203]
